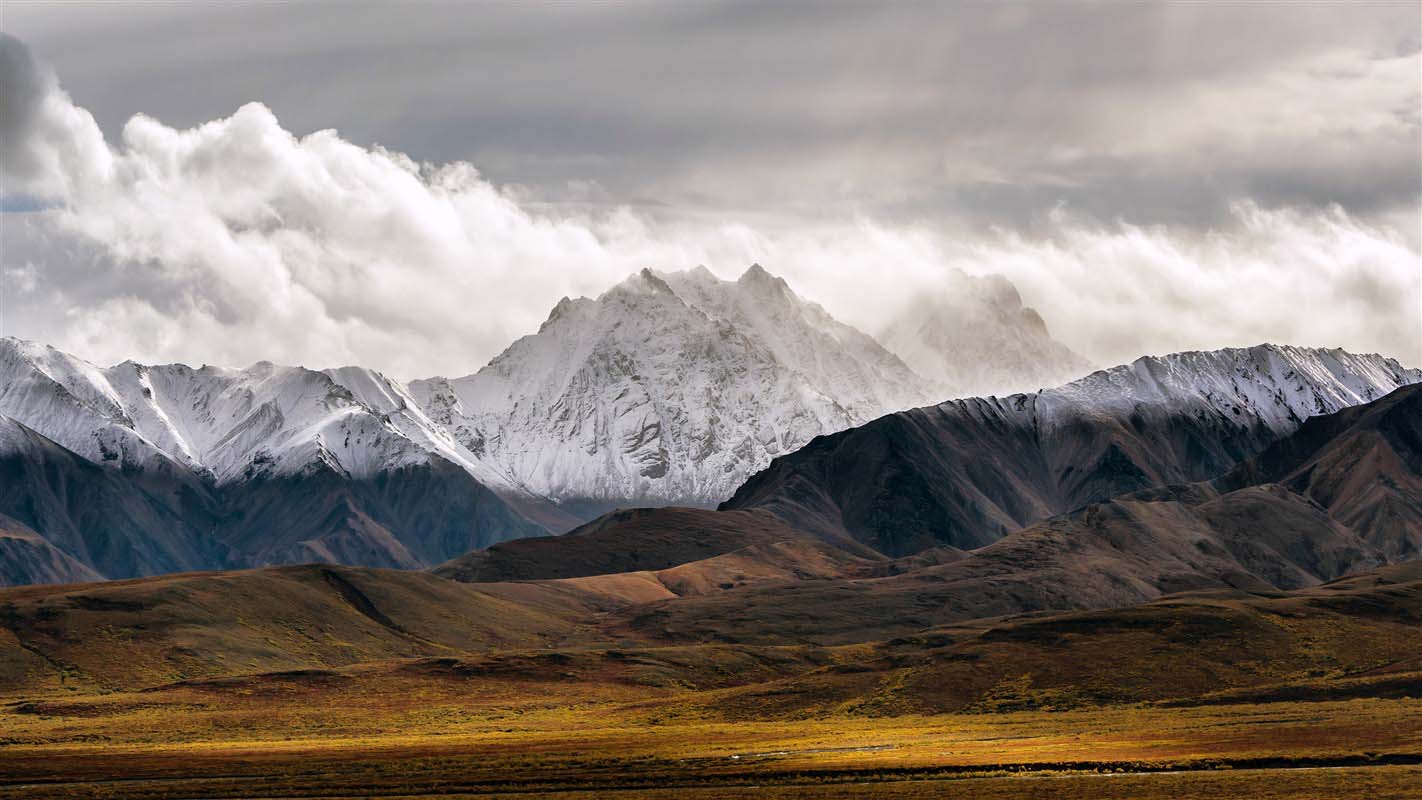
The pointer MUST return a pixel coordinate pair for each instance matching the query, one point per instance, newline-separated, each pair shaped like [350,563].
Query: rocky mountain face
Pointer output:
[1362,465]
[1337,497]
[137,470]
[967,472]
[973,337]
[668,388]
[26,557]
[116,522]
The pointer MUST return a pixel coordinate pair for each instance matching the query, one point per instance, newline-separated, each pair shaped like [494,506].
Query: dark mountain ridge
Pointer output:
[305,470]
[1284,520]
[123,522]
[967,472]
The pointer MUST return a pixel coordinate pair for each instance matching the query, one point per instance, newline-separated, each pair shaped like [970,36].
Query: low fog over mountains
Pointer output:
[972,335]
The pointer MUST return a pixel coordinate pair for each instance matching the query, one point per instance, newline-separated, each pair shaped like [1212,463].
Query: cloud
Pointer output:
[236,240]
[1281,275]
[24,88]
[47,139]
[975,113]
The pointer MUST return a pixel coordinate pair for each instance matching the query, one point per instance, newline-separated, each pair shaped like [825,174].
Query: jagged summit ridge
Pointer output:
[138,470]
[668,387]
[1278,386]
[224,424]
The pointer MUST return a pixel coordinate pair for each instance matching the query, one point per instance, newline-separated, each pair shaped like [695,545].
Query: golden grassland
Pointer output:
[382,730]
[324,682]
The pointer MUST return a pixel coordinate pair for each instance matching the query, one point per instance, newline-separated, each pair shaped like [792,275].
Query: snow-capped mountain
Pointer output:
[667,388]
[973,337]
[865,379]
[965,472]
[267,464]
[225,424]
[1276,386]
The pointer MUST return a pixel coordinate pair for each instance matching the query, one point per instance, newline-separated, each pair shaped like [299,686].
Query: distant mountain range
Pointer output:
[965,472]
[669,388]
[1339,496]
[137,470]
[1292,575]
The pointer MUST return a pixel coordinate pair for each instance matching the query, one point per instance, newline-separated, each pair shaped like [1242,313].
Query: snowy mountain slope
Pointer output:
[1279,386]
[973,337]
[267,464]
[123,523]
[966,472]
[394,403]
[72,402]
[398,407]
[666,389]
[867,379]
[225,424]
[1189,416]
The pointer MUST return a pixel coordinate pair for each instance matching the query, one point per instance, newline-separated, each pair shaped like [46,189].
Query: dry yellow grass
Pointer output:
[397,729]
[354,683]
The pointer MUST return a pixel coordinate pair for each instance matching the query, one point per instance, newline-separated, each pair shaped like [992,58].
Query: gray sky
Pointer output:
[1139,170]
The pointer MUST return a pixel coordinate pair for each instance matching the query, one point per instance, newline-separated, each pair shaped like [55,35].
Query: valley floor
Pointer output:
[443,736]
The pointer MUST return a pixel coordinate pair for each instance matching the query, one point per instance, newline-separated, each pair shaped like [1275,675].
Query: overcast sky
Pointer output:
[410,187]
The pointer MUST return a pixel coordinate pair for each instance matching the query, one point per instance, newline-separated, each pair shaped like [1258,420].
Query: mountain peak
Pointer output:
[642,282]
[1158,421]
[25,348]
[672,388]
[972,335]
[1277,385]
[564,308]
[756,275]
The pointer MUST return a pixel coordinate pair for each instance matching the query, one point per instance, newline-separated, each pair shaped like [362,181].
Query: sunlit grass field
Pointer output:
[385,730]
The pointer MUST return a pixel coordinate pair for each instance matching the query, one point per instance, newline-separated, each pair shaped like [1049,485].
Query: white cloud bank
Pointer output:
[236,241]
